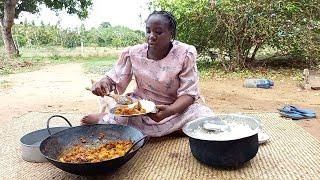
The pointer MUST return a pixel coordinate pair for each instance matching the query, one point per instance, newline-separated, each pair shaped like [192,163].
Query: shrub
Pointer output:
[52,35]
[240,28]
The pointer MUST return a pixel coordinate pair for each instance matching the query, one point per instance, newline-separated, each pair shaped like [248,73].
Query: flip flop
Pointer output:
[292,115]
[297,115]
[303,111]
[291,108]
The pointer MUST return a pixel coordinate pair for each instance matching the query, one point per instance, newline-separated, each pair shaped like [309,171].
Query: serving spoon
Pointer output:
[209,126]
[120,99]
[216,125]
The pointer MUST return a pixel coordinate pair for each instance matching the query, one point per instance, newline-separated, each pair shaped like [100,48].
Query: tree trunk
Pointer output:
[6,24]
[253,56]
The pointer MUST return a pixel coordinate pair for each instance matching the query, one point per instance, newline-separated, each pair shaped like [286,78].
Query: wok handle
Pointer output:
[146,138]
[135,143]
[48,122]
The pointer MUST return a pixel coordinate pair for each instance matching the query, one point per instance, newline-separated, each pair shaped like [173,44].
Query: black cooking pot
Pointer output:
[54,145]
[220,141]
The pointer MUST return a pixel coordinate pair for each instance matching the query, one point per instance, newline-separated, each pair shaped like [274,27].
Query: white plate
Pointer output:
[149,106]
[263,137]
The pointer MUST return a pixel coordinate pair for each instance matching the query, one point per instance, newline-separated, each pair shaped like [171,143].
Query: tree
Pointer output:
[238,29]
[10,9]
[105,25]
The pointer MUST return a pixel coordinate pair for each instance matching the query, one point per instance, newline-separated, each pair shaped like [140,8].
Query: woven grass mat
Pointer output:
[291,153]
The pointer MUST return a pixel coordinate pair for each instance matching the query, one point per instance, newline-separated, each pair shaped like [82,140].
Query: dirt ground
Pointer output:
[61,88]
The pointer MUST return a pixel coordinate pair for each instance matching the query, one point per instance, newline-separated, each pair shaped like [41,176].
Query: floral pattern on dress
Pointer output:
[161,81]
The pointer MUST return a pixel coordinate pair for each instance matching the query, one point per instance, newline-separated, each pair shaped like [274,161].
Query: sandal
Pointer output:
[296,113]
[290,108]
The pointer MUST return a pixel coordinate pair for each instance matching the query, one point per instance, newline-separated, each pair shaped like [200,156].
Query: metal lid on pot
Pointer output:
[222,127]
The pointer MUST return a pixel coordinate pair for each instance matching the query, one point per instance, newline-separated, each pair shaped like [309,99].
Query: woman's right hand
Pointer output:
[101,88]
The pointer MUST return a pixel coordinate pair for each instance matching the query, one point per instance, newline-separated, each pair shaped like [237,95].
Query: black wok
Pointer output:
[55,144]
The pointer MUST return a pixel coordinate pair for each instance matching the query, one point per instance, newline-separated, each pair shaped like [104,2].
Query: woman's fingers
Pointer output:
[100,88]
[155,117]
[97,90]
[161,107]
[160,115]
[105,88]
[164,111]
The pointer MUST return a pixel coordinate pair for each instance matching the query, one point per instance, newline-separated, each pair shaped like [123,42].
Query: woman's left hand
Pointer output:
[164,111]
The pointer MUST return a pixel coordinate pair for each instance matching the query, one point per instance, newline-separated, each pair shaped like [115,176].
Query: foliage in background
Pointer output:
[237,29]
[79,7]
[209,69]
[28,35]
[116,36]
[10,9]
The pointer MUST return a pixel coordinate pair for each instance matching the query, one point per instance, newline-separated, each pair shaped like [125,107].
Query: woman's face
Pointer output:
[158,32]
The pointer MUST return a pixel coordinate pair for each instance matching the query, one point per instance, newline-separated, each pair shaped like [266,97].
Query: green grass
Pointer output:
[209,70]
[91,64]
[54,51]
[95,60]
[5,84]
[99,65]
[98,60]
[295,74]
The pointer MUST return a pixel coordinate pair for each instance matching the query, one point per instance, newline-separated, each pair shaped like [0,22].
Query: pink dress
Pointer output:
[161,81]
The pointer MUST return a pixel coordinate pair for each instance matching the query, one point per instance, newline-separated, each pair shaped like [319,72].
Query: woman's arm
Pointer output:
[117,79]
[188,91]
[179,106]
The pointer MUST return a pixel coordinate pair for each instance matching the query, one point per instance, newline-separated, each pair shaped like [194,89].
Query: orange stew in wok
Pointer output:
[81,154]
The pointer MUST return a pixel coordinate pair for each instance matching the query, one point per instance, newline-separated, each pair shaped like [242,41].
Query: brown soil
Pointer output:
[61,88]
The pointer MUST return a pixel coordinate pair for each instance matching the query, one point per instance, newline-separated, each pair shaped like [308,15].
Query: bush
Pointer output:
[70,39]
[117,36]
[240,28]
[47,35]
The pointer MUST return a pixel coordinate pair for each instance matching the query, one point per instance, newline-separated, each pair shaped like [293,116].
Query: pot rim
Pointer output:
[251,133]
[35,134]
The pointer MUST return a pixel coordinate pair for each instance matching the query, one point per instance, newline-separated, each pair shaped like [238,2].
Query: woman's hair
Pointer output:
[171,21]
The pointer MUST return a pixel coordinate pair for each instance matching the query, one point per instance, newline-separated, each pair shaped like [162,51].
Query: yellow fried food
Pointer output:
[80,154]
[125,110]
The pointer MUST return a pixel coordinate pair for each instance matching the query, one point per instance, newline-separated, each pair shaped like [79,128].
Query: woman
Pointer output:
[165,72]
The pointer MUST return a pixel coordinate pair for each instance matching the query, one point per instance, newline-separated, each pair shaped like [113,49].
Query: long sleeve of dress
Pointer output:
[162,82]
[189,77]
[121,73]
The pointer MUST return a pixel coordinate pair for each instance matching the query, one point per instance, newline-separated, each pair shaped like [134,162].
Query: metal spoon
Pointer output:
[216,124]
[122,100]
[215,127]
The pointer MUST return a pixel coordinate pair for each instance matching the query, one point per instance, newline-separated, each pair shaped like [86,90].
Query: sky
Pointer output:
[117,12]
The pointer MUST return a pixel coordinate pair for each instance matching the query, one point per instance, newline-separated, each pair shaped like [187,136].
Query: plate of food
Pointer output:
[141,107]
